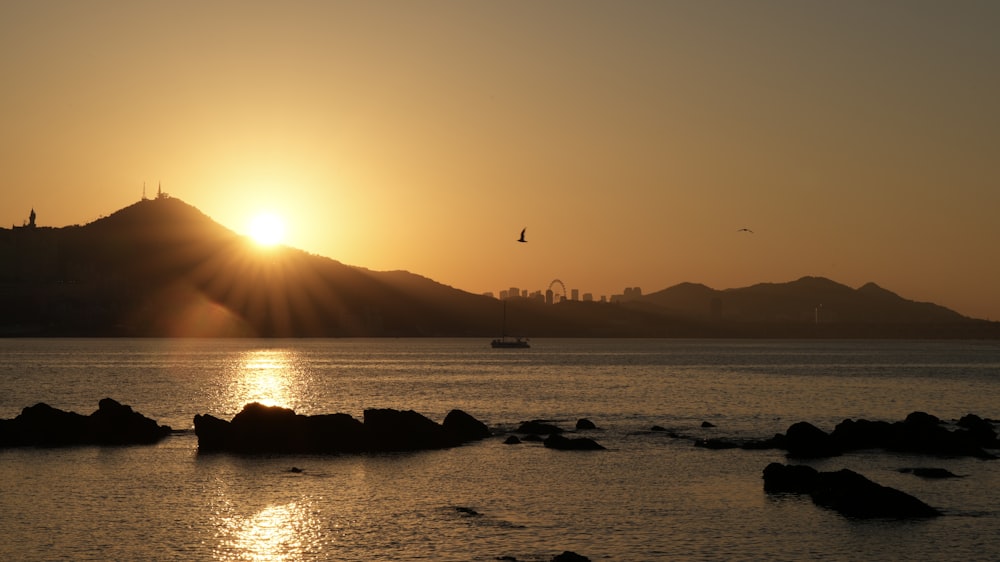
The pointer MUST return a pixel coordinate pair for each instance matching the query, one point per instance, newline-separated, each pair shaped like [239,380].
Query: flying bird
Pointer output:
[521,239]
[744,230]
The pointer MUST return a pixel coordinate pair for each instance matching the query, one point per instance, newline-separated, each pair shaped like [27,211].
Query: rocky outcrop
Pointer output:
[846,492]
[931,473]
[805,440]
[272,429]
[563,443]
[112,423]
[570,556]
[919,433]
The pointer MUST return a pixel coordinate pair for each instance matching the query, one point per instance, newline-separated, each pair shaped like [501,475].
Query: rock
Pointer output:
[707,424]
[462,427]
[805,440]
[853,495]
[272,429]
[929,472]
[213,433]
[920,433]
[395,430]
[798,479]
[538,427]
[42,425]
[512,440]
[341,433]
[569,556]
[467,511]
[266,429]
[584,423]
[981,431]
[116,424]
[846,492]
[563,443]
[922,419]
[853,435]
[657,428]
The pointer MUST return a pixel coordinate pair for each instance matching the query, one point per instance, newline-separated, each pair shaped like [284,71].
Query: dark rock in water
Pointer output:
[396,430]
[584,423]
[296,470]
[337,432]
[853,435]
[657,428]
[853,495]
[920,433]
[922,419]
[512,440]
[706,424]
[117,424]
[981,431]
[45,426]
[569,556]
[538,427]
[272,429]
[563,443]
[930,472]
[805,440]
[468,511]
[213,433]
[846,492]
[112,424]
[797,479]
[462,427]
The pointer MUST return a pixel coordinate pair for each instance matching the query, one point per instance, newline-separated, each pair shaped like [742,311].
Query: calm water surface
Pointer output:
[648,497]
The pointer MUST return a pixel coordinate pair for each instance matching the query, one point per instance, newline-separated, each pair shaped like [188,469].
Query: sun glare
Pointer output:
[266,229]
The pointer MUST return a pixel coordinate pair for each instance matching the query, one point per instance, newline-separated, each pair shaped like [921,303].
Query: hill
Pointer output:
[161,267]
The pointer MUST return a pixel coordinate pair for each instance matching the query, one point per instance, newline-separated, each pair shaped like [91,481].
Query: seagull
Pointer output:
[521,239]
[744,230]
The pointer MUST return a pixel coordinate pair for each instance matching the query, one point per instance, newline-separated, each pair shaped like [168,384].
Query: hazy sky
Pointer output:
[860,140]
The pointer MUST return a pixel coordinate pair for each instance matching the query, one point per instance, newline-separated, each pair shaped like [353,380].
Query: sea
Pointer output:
[652,495]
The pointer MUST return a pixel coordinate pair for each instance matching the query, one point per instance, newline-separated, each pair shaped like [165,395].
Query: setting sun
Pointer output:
[266,229]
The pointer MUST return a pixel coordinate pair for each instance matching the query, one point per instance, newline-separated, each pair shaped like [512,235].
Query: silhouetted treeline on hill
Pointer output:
[162,268]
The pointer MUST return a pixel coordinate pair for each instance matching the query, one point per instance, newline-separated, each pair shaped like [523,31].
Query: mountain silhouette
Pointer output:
[809,299]
[161,267]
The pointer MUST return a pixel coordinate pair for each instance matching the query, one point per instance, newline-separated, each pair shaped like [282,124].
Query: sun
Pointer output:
[266,229]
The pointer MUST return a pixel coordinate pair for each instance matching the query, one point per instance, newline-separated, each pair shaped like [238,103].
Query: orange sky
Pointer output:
[858,139]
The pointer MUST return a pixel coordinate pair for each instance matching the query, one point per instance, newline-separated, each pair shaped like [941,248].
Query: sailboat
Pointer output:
[505,341]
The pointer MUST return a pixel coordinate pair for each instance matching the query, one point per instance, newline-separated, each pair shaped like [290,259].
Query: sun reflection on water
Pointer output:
[272,377]
[275,533]
[265,376]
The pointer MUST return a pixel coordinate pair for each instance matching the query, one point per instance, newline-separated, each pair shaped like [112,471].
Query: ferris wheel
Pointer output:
[558,285]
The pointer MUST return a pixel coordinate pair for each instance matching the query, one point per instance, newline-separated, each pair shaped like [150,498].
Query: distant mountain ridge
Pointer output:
[809,299]
[163,268]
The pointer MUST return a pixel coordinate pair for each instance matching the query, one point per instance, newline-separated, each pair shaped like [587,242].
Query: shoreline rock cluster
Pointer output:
[260,429]
[919,433]
[112,423]
[273,429]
